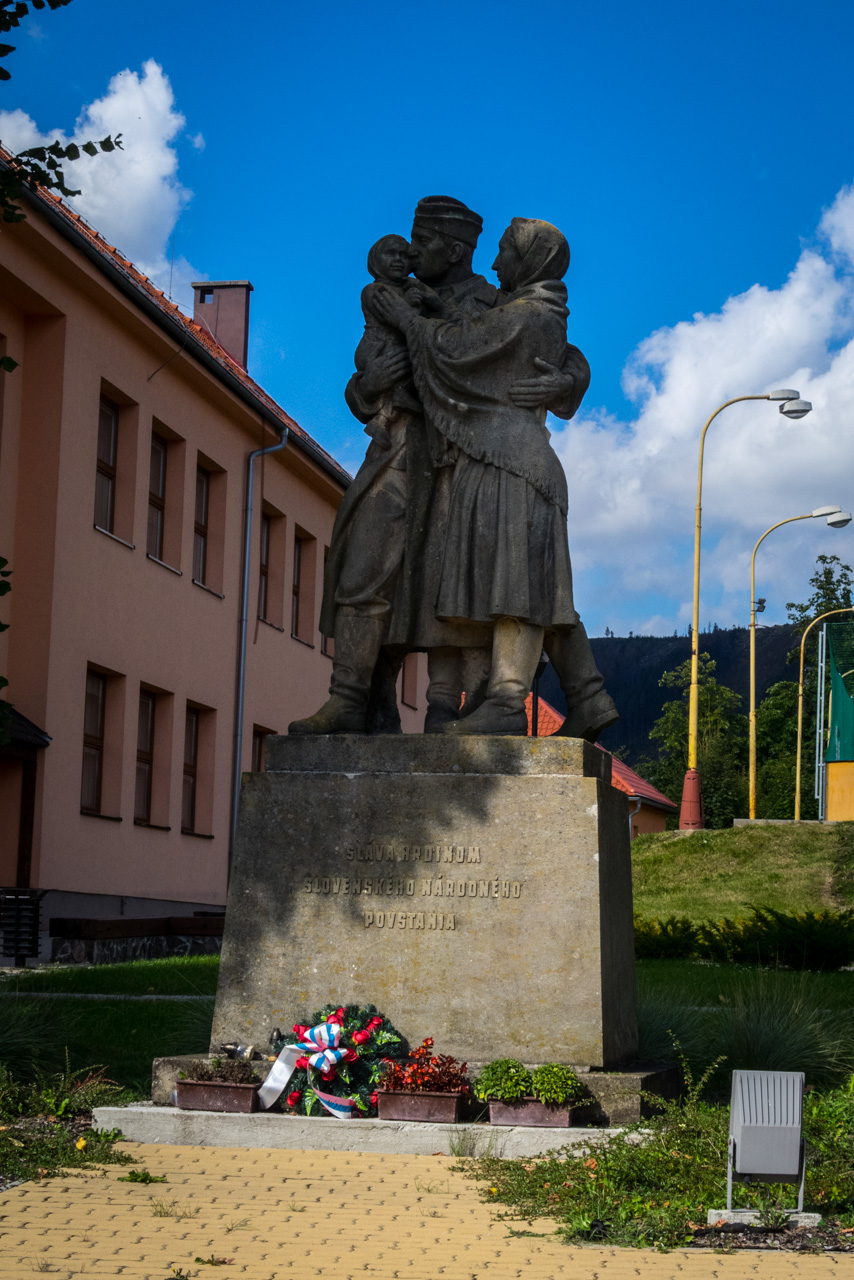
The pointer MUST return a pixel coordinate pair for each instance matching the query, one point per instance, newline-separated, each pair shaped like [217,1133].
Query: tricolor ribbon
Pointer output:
[320,1044]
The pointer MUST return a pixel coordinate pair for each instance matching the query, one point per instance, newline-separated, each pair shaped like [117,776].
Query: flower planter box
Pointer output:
[210,1095]
[432,1108]
[530,1111]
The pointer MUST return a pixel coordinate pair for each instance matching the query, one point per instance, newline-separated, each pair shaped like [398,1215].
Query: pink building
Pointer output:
[125,438]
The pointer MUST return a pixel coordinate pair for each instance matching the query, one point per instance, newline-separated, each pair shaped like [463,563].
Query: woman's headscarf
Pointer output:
[374,264]
[543,251]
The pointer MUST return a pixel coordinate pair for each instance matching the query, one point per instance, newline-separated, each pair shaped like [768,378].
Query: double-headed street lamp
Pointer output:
[691,811]
[836,519]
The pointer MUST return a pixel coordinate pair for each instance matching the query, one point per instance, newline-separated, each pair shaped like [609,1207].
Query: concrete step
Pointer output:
[144,1122]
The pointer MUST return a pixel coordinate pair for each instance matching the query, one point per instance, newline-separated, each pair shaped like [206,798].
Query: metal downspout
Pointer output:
[632,814]
[240,690]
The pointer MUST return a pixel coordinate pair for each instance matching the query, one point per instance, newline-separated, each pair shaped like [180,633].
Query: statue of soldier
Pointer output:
[387,545]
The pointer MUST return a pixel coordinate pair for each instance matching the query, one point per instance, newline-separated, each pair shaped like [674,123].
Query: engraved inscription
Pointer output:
[402,886]
[410,920]
[460,853]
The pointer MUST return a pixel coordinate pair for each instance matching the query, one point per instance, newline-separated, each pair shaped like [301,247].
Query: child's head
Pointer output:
[388,260]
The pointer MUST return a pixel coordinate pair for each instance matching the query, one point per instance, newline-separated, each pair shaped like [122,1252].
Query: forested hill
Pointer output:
[632,667]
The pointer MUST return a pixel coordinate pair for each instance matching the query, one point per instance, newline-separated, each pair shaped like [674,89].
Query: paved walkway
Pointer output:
[281,1214]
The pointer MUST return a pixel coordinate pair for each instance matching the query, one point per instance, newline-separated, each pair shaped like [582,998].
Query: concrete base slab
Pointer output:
[751,1217]
[147,1123]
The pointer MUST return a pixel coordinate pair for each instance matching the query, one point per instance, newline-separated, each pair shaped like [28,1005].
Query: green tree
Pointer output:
[37,166]
[721,743]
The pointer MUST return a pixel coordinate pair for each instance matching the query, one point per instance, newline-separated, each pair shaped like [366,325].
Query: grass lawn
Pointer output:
[712,874]
[121,1035]
[176,975]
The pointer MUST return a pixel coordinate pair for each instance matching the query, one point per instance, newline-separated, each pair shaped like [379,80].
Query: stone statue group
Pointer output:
[452,537]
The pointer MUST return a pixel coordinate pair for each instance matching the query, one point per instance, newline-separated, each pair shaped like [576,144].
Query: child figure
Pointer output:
[388,263]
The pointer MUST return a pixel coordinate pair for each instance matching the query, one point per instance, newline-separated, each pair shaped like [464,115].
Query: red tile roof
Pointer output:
[622,777]
[548,720]
[57,210]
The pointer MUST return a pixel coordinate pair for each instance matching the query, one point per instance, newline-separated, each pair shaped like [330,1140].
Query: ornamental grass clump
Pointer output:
[371,1043]
[426,1072]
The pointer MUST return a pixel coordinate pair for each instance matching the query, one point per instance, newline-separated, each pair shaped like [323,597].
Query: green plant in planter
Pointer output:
[504,1080]
[555,1083]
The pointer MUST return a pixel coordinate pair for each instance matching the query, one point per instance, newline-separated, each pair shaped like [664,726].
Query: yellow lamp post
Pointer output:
[837,519]
[807,630]
[691,811]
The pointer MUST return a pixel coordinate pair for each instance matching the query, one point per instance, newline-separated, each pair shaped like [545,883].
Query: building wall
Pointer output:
[647,820]
[82,598]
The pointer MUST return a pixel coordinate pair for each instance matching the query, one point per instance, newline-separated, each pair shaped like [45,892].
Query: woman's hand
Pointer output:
[531,393]
[391,308]
[385,372]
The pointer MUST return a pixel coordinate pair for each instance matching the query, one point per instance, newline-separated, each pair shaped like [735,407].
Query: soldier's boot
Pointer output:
[589,707]
[457,677]
[358,638]
[516,649]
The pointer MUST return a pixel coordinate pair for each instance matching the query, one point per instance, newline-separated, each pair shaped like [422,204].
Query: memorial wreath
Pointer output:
[334,1063]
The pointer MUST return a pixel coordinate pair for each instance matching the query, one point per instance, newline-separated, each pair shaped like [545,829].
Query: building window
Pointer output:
[144,757]
[105,476]
[264,568]
[259,743]
[200,542]
[191,765]
[295,597]
[206,295]
[93,742]
[156,497]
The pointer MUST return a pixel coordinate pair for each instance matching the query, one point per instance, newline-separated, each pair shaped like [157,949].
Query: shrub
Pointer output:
[504,1080]
[819,940]
[553,1082]
[672,939]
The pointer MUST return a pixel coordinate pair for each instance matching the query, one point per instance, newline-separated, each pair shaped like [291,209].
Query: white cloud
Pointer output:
[198,141]
[133,196]
[633,485]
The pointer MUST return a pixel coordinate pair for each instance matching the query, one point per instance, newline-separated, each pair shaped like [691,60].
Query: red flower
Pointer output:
[373,1099]
[300,1031]
[359,1037]
[336,1018]
[375,1022]
[293,1098]
[302,1062]
[330,1074]
[351,1055]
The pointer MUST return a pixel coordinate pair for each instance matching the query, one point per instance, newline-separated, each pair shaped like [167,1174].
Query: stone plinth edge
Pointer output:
[435,753]
[167,1125]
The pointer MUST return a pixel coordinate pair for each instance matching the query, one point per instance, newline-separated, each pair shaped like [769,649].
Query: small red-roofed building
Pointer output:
[649,807]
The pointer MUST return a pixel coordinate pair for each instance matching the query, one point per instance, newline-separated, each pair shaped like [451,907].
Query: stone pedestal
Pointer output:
[475,889]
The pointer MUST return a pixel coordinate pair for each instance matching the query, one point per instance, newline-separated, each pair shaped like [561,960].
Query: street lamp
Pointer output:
[691,811]
[836,519]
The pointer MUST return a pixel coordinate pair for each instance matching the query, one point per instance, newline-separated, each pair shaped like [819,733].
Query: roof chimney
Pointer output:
[222,308]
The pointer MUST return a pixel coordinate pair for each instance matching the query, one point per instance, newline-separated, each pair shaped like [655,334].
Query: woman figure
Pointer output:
[506,558]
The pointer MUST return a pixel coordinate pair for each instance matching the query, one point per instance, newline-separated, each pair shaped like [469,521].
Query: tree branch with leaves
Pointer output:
[37,166]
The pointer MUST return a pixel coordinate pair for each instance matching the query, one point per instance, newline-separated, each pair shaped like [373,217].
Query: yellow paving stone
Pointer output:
[280,1214]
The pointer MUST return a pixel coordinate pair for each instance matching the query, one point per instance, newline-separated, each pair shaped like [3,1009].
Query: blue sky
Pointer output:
[689,154]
